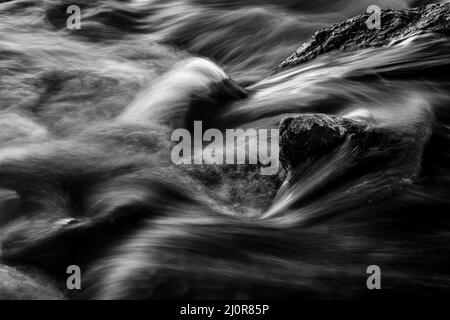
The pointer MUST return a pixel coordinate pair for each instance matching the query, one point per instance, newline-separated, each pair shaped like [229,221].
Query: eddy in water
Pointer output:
[92,205]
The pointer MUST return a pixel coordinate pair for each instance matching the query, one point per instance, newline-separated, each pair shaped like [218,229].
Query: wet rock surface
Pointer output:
[354,34]
[312,135]
[309,137]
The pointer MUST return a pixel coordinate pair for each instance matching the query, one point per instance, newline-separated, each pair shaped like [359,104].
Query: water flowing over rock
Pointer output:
[308,137]
[87,176]
[25,285]
[354,34]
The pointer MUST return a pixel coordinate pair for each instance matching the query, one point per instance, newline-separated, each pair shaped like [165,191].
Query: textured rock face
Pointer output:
[308,137]
[312,135]
[354,34]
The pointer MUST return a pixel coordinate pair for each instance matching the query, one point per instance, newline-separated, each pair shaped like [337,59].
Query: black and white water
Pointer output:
[86,177]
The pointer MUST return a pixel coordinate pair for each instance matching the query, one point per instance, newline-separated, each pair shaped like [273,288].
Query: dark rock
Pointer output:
[312,135]
[354,34]
[307,138]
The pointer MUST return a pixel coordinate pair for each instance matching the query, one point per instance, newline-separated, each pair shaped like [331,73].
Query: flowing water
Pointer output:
[86,175]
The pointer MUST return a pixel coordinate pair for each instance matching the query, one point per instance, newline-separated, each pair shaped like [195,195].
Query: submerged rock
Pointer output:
[25,285]
[354,34]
